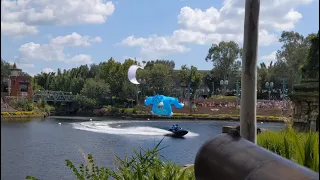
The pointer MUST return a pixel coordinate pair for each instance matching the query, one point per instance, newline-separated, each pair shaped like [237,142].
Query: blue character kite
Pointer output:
[161,105]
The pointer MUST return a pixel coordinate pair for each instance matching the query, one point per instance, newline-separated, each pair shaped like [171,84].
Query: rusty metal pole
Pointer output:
[248,123]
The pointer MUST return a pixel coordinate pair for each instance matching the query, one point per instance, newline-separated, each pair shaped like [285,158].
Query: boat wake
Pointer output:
[106,127]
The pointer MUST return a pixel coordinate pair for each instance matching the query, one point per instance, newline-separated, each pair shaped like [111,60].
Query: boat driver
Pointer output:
[175,127]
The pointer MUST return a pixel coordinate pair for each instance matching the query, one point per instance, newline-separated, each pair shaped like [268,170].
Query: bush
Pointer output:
[302,148]
[18,113]
[22,104]
[4,113]
[100,112]
[223,97]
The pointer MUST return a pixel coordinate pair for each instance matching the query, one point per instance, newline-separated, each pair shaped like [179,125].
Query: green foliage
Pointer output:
[223,97]
[31,178]
[293,53]
[159,79]
[22,104]
[190,75]
[225,66]
[223,56]
[85,103]
[5,72]
[302,148]
[18,113]
[96,89]
[310,68]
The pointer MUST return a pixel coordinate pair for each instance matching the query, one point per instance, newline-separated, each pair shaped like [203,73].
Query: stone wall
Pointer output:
[305,115]
[305,101]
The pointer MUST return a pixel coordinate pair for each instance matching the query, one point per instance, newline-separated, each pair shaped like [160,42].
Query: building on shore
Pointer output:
[19,85]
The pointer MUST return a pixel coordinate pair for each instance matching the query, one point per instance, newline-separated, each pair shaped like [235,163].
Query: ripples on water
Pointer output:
[105,127]
[40,148]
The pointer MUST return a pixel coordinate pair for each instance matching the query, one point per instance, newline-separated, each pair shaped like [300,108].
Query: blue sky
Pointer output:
[46,35]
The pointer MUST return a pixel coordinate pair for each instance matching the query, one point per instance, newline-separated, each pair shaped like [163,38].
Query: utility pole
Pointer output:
[237,91]
[213,88]
[248,122]
[284,96]
[137,88]
[189,96]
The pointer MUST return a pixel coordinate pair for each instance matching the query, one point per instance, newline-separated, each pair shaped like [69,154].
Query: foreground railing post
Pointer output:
[248,122]
[230,157]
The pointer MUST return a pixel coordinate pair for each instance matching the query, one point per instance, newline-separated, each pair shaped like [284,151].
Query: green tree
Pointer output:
[85,103]
[158,78]
[5,72]
[223,56]
[293,52]
[192,76]
[110,72]
[310,68]
[169,64]
[96,89]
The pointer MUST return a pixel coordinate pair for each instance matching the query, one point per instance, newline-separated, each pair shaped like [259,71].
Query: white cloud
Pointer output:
[80,59]
[96,39]
[29,14]
[27,65]
[17,29]
[23,65]
[54,51]
[75,39]
[155,45]
[268,58]
[225,24]
[47,70]
[133,58]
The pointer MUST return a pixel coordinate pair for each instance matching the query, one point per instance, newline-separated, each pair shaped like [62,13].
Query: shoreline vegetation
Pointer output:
[302,148]
[22,114]
[132,116]
[22,108]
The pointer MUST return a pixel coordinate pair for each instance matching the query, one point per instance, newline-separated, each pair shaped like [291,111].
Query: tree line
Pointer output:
[106,82]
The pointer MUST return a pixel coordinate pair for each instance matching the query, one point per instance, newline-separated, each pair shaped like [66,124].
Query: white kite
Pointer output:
[132,72]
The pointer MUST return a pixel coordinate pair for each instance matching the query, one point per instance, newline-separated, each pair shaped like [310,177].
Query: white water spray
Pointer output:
[104,127]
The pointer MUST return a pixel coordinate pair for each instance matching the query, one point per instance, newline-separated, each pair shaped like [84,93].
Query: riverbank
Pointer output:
[5,116]
[141,113]
[188,117]
[222,117]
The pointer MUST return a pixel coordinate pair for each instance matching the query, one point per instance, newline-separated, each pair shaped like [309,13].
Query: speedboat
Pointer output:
[178,131]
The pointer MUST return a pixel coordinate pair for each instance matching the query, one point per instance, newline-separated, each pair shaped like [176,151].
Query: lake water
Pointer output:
[40,147]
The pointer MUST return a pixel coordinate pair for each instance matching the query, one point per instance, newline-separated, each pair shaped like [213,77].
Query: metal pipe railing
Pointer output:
[230,157]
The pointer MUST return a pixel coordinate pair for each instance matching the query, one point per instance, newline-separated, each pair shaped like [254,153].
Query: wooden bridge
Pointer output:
[54,96]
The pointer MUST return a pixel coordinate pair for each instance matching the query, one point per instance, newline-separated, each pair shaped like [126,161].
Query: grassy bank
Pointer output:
[229,117]
[135,113]
[21,114]
[302,148]
[23,108]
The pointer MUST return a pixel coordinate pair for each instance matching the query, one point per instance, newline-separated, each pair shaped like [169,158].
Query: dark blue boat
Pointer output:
[178,131]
